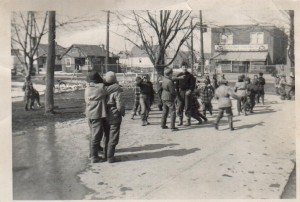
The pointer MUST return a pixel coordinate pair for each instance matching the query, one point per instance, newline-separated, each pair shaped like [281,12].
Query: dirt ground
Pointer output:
[68,106]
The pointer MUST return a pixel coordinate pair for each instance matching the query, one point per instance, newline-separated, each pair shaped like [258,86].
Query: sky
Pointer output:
[92,29]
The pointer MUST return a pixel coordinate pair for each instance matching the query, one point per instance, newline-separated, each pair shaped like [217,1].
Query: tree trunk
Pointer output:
[30,68]
[49,100]
[160,64]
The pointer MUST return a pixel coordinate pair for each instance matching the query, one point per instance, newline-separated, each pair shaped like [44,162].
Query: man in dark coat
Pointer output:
[185,87]
[146,95]
[168,97]
[251,91]
[261,89]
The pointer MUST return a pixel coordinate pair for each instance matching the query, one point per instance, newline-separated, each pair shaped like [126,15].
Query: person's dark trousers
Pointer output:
[168,106]
[111,139]
[207,107]
[202,116]
[28,102]
[96,129]
[184,103]
[291,93]
[145,106]
[229,113]
[252,103]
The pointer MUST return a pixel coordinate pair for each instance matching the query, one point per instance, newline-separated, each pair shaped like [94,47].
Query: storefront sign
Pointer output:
[253,47]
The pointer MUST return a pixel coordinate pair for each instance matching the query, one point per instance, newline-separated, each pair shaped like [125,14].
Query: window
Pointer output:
[256,38]
[68,62]
[226,38]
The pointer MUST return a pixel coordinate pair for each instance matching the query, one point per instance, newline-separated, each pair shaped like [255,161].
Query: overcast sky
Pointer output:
[95,32]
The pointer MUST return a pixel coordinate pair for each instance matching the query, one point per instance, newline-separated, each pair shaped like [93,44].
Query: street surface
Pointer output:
[197,162]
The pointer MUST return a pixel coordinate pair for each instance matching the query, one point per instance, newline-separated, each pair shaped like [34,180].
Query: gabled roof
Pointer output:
[91,50]
[15,52]
[43,49]
[141,52]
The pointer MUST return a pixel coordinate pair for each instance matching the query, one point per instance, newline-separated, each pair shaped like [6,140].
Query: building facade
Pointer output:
[248,48]
[82,57]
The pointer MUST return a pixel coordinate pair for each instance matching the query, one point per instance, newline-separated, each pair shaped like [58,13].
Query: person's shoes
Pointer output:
[96,159]
[113,160]
[199,122]
[174,129]
[216,126]
[148,123]
[164,127]
[132,117]
[231,128]
[144,123]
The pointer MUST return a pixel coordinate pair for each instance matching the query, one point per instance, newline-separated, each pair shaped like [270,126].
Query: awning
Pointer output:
[240,56]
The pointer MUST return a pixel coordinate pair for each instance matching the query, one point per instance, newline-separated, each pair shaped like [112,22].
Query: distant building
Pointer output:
[42,54]
[241,48]
[82,57]
[18,61]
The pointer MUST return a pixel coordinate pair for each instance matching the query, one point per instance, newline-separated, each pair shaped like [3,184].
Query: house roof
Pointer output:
[15,52]
[141,52]
[59,50]
[91,50]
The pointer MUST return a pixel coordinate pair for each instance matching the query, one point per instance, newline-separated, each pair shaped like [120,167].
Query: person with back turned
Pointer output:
[168,97]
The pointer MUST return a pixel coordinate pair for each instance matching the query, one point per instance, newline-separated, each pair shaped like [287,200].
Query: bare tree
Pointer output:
[166,26]
[27,34]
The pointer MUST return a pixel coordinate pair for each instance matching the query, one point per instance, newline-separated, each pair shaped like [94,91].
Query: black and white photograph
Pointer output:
[178,100]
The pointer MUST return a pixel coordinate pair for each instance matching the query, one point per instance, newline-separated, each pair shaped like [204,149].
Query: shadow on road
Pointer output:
[146,147]
[156,155]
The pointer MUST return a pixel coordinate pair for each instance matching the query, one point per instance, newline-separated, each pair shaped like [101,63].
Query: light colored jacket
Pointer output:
[115,107]
[95,99]
[241,88]
[168,92]
[222,94]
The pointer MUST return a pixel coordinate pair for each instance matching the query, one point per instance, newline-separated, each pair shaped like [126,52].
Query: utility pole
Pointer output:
[192,46]
[49,100]
[107,42]
[201,44]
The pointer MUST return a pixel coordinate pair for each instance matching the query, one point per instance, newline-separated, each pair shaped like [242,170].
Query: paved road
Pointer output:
[196,162]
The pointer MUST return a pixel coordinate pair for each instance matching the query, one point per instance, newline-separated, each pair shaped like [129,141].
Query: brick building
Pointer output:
[245,48]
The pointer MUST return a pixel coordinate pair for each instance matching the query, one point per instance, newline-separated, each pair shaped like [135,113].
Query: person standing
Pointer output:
[95,99]
[223,94]
[240,89]
[168,97]
[261,88]
[146,94]
[115,112]
[185,87]
[136,105]
[251,92]
[206,95]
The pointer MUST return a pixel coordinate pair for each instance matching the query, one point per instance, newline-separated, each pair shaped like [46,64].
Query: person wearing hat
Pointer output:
[240,89]
[146,94]
[112,123]
[185,87]
[95,111]
[168,97]
[206,95]
[261,88]
[223,94]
